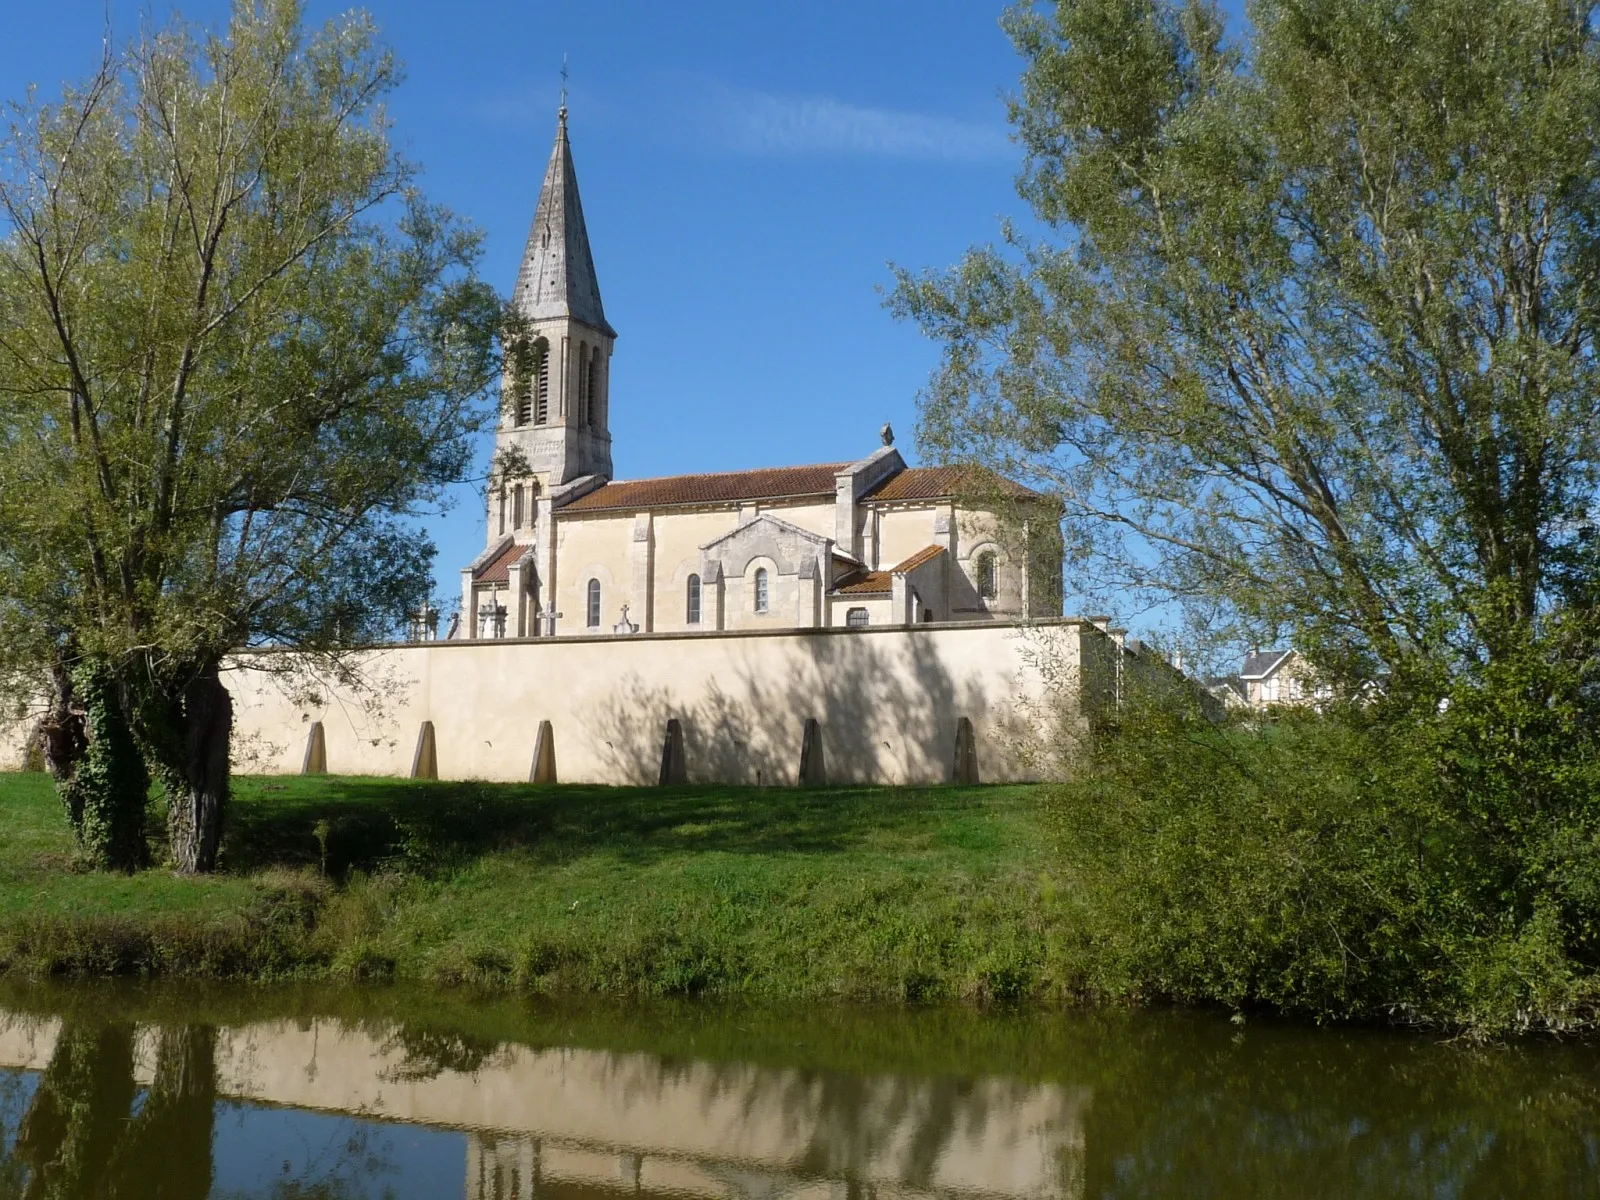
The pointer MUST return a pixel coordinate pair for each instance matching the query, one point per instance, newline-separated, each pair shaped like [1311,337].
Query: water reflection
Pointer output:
[120,1110]
[108,1095]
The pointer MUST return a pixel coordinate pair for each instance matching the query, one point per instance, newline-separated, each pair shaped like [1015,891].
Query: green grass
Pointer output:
[866,893]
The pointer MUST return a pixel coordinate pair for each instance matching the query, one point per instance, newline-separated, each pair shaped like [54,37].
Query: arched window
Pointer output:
[692,615]
[594,604]
[502,512]
[583,383]
[516,507]
[541,374]
[761,589]
[594,388]
[856,618]
[986,580]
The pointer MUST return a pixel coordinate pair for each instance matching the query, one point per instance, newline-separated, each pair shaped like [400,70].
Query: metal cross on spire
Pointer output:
[563,87]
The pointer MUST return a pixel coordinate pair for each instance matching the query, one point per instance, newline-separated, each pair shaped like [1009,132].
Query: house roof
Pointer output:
[926,554]
[498,568]
[865,583]
[1217,684]
[728,487]
[862,582]
[939,483]
[1263,663]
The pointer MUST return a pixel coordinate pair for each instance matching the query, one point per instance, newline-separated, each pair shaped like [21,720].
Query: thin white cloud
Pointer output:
[749,121]
[755,122]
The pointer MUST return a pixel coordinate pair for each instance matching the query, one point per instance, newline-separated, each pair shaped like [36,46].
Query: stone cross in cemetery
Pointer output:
[548,619]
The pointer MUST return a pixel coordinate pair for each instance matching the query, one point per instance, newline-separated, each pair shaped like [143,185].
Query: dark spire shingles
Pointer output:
[557,277]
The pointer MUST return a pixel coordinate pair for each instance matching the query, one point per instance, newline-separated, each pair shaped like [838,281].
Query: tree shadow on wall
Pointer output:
[885,706]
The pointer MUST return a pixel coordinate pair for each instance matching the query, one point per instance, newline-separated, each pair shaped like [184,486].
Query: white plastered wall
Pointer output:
[888,700]
[594,548]
[902,531]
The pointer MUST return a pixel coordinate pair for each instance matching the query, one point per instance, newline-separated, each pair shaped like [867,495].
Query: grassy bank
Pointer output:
[862,893]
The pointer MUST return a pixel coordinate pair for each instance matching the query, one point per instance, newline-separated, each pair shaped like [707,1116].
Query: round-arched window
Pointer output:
[692,613]
[761,590]
[594,604]
[986,575]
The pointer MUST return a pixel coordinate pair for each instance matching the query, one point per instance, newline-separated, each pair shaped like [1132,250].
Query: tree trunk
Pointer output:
[63,743]
[112,783]
[198,795]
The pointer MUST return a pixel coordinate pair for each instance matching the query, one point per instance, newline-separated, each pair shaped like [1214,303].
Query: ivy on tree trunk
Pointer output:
[107,793]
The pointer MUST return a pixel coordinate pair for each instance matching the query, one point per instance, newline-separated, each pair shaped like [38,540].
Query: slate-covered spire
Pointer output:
[557,278]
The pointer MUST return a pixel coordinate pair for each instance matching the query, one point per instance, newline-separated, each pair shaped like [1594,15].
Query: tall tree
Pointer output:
[237,349]
[1309,336]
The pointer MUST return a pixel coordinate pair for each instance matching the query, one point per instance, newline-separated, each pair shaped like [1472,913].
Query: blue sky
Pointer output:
[748,172]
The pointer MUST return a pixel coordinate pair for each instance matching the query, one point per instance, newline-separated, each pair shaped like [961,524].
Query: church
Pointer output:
[860,543]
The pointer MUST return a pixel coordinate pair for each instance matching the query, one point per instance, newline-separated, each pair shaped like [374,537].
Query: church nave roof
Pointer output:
[943,483]
[726,487]
[792,483]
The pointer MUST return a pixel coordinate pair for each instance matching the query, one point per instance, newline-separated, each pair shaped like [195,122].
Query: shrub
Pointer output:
[1407,859]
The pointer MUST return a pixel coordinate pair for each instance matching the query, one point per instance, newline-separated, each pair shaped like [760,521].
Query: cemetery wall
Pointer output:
[887,702]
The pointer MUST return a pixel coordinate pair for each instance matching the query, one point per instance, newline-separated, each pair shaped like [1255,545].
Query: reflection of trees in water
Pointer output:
[167,1148]
[429,1051]
[1194,1112]
[83,1135]
[80,1110]
[89,1132]
[850,1127]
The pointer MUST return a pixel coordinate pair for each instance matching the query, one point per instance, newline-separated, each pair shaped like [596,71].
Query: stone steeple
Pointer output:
[557,279]
[558,421]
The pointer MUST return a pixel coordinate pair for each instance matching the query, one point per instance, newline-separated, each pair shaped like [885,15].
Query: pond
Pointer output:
[135,1091]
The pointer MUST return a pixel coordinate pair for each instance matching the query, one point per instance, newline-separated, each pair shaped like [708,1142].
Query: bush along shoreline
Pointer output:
[868,894]
[1407,859]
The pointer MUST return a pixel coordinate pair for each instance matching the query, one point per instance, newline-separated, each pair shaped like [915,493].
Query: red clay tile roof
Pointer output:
[917,559]
[939,483]
[863,582]
[499,568]
[728,487]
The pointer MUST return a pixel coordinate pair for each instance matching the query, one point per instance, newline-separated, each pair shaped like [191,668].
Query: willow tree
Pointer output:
[1307,336]
[238,349]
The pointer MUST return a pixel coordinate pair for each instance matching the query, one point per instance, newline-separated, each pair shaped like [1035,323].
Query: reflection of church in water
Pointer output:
[572,551]
[514,1123]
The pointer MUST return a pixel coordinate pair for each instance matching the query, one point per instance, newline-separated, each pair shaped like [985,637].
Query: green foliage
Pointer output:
[1307,344]
[240,353]
[1405,859]
[106,796]
[1307,350]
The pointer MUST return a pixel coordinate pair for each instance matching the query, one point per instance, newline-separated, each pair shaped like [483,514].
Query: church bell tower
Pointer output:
[559,416]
